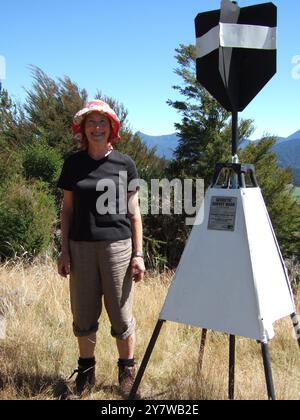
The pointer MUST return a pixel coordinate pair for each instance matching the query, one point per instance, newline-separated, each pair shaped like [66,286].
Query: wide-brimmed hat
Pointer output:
[103,108]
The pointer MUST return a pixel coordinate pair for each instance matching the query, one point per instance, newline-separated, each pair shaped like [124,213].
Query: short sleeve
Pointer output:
[65,181]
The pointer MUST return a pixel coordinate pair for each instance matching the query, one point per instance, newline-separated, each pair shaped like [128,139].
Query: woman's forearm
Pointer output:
[137,232]
[137,262]
[66,218]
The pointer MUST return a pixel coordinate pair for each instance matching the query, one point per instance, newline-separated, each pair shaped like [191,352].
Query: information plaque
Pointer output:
[222,213]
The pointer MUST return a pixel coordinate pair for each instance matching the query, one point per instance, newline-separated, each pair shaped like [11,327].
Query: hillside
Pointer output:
[288,153]
[287,149]
[294,136]
[165,144]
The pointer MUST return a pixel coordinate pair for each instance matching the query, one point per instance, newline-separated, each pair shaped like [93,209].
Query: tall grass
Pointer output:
[39,351]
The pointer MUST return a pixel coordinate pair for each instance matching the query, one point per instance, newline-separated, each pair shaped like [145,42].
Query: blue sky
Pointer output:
[126,48]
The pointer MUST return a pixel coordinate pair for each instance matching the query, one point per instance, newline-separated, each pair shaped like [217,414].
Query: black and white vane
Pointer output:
[236,52]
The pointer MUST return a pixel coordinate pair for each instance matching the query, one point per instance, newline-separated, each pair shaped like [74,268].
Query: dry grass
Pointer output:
[39,351]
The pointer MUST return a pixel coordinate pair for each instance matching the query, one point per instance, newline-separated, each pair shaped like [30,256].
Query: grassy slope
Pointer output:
[40,352]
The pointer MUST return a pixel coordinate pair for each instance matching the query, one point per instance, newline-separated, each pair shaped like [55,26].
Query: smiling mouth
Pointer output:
[98,135]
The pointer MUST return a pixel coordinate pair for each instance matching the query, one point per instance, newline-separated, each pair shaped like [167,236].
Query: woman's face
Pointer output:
[97,128]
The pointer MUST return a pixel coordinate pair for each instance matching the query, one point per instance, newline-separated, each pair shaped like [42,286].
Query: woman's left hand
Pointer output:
[137,269]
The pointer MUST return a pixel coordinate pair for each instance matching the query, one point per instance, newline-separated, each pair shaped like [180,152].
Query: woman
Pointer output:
[101,243]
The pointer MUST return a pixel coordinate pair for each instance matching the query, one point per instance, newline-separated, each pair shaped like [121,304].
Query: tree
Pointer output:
[50,106]
[11,116]
[275,184]
[11,140]
[205,139]
[205,130]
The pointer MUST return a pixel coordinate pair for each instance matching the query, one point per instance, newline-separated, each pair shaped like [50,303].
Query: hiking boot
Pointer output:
[85,379]
[127,376]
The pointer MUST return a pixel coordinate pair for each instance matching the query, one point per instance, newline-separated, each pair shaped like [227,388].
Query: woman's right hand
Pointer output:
[63,264]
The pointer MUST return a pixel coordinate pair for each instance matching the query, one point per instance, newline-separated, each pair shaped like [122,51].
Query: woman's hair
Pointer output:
[83,142]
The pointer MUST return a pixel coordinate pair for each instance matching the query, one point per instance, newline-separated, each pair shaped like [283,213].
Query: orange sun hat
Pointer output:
[102,107]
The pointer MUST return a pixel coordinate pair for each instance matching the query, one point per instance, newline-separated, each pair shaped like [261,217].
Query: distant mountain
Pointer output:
[245,142]
[295,136]
[165,145]
[288,154]
[287,149]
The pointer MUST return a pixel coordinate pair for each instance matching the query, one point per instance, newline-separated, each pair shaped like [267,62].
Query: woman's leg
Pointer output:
[87,346]
[126,347]
[118,298]
[117,286]
[86,294]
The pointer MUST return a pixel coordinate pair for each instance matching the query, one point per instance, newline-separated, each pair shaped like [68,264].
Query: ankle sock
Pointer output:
[126,362]
[86,362]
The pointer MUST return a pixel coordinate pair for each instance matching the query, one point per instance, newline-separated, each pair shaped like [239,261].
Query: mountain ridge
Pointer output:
[286,148]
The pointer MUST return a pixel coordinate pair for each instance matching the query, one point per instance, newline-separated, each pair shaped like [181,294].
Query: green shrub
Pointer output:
[42,162]
[27,217]
[10,166]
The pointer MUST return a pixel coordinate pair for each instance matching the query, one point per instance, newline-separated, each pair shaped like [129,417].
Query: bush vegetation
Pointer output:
[27,216]
[35,137]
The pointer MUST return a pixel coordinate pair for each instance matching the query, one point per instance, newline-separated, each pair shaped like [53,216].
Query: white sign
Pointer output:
[222,213]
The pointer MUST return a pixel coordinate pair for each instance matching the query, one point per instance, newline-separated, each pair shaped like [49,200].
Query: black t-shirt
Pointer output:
[99,195]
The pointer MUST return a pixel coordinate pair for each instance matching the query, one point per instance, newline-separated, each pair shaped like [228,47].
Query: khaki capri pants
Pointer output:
[101,269]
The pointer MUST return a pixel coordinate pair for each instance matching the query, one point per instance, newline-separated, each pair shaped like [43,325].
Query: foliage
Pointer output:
[275,184]
[205,130]
[42,162]
[296,194]
[205,138]
[14,129]
[27,217]
[10,165]
[50,107]
[36,137]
